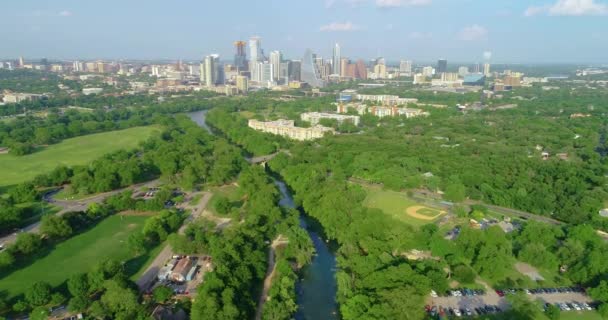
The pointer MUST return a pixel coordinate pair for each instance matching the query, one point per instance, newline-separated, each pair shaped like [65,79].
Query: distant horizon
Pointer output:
[228,60]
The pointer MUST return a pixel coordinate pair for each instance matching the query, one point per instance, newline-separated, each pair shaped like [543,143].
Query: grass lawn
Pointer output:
[392,203]
[74,151]
[231,192]
[80,254]
[580,315]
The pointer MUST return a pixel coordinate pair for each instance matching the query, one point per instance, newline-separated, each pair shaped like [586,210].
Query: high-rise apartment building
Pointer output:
[442,65]
[405,66]
[336,62]
[428,71]
[380,71]
[276,57]
[344,62]
[486,69]
[242,84]
[240,57]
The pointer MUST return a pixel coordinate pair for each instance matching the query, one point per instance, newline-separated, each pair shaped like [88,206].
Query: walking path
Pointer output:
[269,274]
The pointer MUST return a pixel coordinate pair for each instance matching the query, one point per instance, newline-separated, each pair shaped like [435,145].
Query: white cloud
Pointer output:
[472,33]
[338,26]
[569,8]
[65,13]
[401,3]
[416,35]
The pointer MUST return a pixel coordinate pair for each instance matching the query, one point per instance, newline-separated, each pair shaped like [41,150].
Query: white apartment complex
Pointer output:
[315,117]
[381,111]
[286,128]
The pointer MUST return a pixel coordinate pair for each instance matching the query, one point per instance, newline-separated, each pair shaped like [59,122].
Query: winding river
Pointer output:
[316,290]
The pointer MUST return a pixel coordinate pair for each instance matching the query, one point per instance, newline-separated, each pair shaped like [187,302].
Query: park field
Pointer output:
[75,151]
[107,240]
[230,192]
[399,206]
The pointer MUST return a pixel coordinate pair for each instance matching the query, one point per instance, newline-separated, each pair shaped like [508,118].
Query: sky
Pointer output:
[514,31]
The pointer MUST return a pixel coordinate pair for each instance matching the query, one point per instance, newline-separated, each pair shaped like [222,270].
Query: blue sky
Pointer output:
[422,30]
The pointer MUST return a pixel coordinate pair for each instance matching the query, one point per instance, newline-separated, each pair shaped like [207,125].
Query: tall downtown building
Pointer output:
[255,56]
[310,72]
[336,62]
[240,57]
[442,66]
[276,57]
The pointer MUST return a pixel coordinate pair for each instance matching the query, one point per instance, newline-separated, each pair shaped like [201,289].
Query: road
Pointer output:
[74,206]
[149,276]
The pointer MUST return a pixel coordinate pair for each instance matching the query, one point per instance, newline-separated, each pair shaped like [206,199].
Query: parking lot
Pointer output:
[492,298]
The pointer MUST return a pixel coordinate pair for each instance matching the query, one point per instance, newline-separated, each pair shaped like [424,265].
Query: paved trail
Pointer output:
[269,274]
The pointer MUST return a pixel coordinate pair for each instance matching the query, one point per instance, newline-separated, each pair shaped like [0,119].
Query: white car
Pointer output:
[576,306]
[527,291]
[587,306]
[433,294]
[457,312]
[565,307]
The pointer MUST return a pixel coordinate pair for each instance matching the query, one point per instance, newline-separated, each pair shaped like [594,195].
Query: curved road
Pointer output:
[73,206]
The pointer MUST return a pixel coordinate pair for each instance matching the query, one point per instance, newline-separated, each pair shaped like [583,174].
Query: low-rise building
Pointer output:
[181,270]
[315,117]
[88,91]
[385,99]
[286,128]
[20,97]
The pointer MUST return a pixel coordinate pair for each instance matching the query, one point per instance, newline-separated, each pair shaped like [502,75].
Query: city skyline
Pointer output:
[573,31]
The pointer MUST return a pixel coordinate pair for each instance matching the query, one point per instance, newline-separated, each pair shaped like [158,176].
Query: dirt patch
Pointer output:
[131,225]
[529,271]
[137,213]
[413,212]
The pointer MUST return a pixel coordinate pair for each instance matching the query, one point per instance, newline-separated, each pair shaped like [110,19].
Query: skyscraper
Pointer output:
[486,69]
[336,62]
[209,67]
[240,57]
[295,70]
[344,62]
[360,70]
[276,57]
[442,66]
[310,72]
[255,56]
[242,84]
[405,66]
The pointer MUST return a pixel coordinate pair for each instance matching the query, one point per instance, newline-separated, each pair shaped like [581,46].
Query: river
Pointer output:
[316,290]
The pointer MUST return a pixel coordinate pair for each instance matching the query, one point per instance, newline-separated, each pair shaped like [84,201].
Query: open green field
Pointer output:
[395,204]
[231,192]
[107,240]
[74,151]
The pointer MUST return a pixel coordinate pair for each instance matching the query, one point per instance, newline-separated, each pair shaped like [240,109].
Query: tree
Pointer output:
[455,192]
[161,294]
[38,294]
[137,243]
[553,312]
[600,293]
[55,227]
[27,243]
[6,259]
[78,303]
[222,205]
[464,274]
[78,285]
[39,313]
